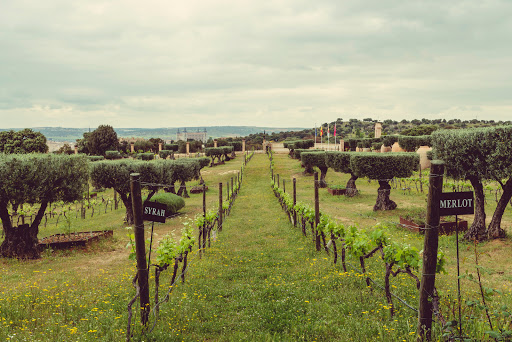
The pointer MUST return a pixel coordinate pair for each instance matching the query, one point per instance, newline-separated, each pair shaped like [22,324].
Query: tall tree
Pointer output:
[24,141]
[102,139]
[35,179]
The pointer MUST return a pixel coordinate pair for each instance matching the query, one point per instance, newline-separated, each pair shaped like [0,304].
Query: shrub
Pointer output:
[353,143]
[389,140]
[165,153]
[171,147]
[411,144]
[297,152]
[111,155]
[376,145]
[146,156]
[237,145]
[95,158]
[340,162]
[173,202]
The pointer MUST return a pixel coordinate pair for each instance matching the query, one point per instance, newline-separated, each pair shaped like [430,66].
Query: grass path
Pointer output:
[262,281]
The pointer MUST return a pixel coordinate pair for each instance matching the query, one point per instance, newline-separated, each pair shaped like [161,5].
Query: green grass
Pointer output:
[261,280]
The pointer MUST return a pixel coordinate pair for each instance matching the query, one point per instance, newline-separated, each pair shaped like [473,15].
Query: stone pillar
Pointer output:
[76,149]
[132,148]
[188,148]
[424,162]
[378,130]
[243,145]
[396,148]
[342,145]
[215,143]
[159,147]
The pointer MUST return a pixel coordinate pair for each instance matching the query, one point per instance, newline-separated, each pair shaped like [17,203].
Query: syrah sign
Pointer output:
[153,211]
[456,203]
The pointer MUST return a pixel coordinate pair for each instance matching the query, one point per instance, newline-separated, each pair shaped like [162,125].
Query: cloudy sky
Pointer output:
[265,63]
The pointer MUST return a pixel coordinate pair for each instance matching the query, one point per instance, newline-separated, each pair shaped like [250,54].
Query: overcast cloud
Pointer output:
[263,63]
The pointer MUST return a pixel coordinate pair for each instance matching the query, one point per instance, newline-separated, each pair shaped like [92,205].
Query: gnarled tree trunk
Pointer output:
[351,186]
[183,190]
[21,242]
[477,230]
[127,201]
[323,173]
[494,230]
[383,200]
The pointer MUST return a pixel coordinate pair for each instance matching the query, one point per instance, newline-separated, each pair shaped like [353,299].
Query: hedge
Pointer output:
[411,143]
[297,152]
[166,153]
[389,140]
[237,145]
[173,202]
[171,147]
[146,156]
[95,158]
[384,166]
[338,161]
[315,159]
[111,155]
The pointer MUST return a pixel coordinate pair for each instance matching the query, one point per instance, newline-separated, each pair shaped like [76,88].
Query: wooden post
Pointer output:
[115,200]
[294,201]
[278,183]
[428,277]
[220,207]
[284,185]
[140,247]
[317,213]
[227,190]
[232,187]
[204,216]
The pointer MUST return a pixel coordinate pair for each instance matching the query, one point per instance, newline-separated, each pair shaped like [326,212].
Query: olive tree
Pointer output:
[298,144]
[185,170]
[478,155]
[340,162]
[315,159]
[116,175]
[35,179]
[383,168]
[412,143]
[216,153]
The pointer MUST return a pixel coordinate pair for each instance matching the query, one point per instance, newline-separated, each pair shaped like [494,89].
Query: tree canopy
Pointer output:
[102,139]
[24,141]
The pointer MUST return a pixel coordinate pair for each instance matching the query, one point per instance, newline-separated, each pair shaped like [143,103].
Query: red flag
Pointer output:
[334,130]
[321,131]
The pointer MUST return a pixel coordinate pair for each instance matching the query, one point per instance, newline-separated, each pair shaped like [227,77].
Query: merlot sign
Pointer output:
[456,203]
[154,211]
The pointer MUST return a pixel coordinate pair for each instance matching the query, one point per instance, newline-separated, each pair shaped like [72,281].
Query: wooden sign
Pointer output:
[153,211]
[456,203]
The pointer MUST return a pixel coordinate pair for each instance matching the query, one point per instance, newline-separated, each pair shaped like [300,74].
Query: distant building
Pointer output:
[184,135]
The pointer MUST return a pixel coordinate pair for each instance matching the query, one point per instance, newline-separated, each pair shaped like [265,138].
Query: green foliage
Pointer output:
[24,141]
[352,143]
[173,202]
[171,147]
[214,151]
[146,156]
[111,155]
[95,158]
[166,252]
[102,139]
[237,145]
[376,145]
[484,153]
[165,153]
[389,140]
[411,144]
[311,159]
[297,152]
[420,130]
[37,178]
[338,161]
[142,145]
[382,166]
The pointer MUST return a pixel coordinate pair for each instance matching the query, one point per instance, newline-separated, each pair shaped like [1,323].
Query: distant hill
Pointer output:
[71,134]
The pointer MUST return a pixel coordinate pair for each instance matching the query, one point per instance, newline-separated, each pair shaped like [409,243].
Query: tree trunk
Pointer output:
[127,201]
[351,189]
[21,242]
[323,173]
[383,200]
[494,231]
[183,190]
[308,170]
[477,230]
